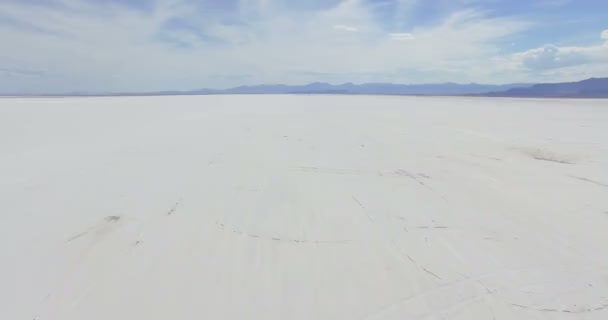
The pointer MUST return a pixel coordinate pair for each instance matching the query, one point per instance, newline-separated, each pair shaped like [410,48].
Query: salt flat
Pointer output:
[303,207]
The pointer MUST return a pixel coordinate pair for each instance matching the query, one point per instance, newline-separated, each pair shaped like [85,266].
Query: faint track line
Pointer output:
[431,273]
[586,310]
[77,236]
[358,202]
[589,180]
[281,239]
[364,210]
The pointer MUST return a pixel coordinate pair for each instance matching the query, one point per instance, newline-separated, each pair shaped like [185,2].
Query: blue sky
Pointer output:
[146,45]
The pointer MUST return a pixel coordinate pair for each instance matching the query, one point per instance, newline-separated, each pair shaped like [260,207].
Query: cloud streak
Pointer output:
[345,28]
[401,36]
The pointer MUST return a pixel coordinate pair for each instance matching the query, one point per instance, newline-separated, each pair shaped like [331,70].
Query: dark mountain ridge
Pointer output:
[590,88]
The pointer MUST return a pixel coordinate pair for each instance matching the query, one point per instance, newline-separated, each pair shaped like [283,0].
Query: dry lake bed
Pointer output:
[303,207]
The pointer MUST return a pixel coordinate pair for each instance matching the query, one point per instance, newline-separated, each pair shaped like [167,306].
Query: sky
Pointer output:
[53,46]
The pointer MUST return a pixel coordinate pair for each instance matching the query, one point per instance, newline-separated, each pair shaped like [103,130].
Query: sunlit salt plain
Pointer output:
[303,207]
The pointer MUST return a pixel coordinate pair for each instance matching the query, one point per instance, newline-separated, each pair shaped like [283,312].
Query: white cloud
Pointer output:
[604,35]
[180,46]
[553,57]
[553,63]
[401,36]
[549,57]
[345,28]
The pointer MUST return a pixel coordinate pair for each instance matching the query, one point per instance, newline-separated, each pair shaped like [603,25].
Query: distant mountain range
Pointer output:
[590,88]
[350,88]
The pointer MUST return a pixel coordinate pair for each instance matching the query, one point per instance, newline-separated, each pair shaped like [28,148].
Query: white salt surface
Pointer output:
[303,207]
